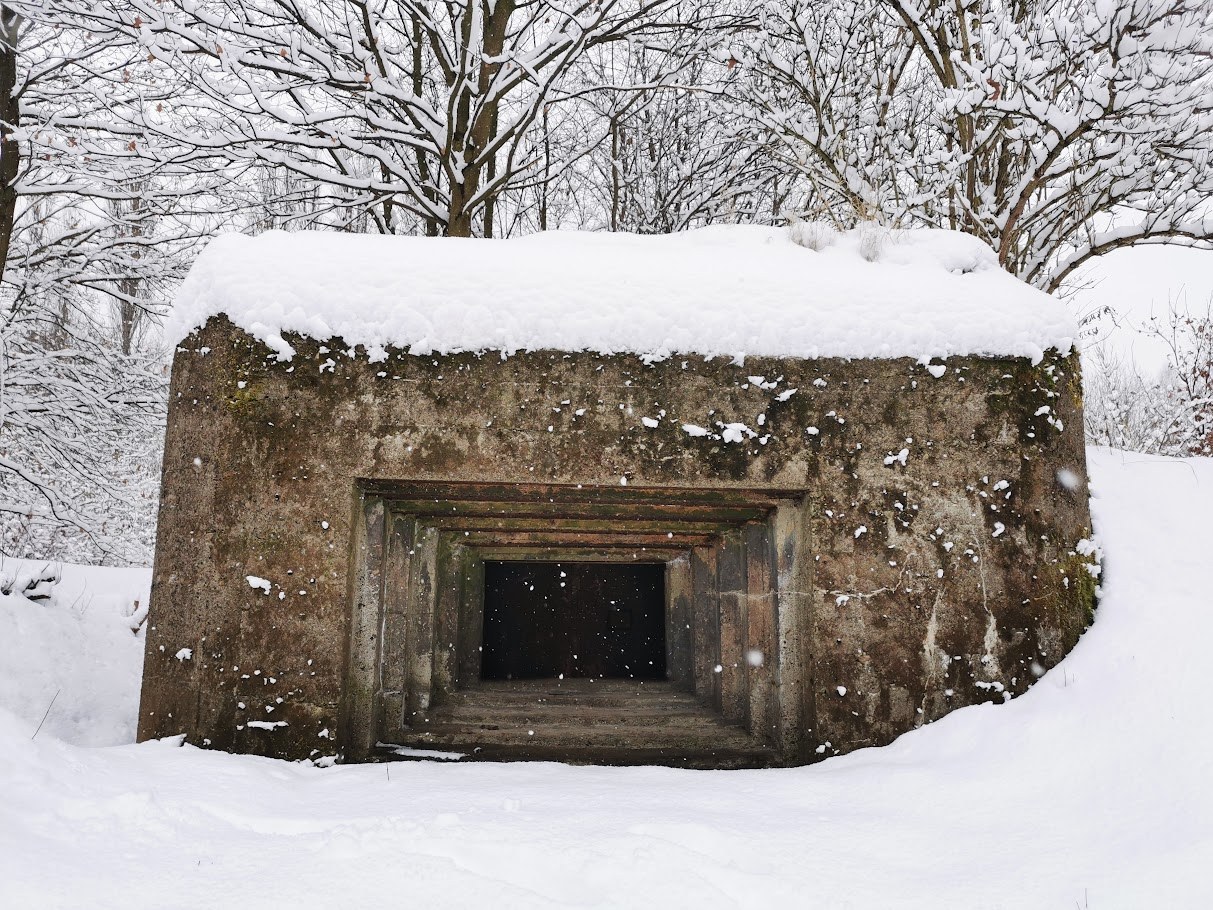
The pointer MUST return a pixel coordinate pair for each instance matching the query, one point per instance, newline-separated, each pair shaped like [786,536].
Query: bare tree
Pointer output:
[418,114]
[671,153]
[832,93]
[1056,130]
[80,428]
[1186,425]
[90,217]
[10,122]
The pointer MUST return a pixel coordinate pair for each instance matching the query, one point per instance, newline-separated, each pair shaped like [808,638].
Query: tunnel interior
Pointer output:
[548,620]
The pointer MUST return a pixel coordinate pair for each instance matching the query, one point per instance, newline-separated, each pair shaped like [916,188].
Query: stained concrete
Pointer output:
[932,566]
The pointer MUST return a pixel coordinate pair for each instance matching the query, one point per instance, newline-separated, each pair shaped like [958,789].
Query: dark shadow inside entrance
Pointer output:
[543,620]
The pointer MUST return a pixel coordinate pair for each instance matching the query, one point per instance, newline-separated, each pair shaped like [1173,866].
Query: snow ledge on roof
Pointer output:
[735,291]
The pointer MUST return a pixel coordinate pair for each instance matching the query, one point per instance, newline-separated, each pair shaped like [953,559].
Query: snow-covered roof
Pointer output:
[736,291]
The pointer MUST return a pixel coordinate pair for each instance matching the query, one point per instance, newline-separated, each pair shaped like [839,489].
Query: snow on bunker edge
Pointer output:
[733,291]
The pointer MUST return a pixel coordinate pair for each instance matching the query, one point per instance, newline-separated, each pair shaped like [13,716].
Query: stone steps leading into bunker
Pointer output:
[578,721]
[613,746]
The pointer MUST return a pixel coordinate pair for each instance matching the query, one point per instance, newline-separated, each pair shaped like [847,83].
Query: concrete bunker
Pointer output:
[767,560]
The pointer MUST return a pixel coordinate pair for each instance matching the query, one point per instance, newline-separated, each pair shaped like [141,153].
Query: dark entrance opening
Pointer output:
[544,620]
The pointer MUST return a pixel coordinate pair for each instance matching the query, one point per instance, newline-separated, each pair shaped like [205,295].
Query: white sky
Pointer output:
[1139,282]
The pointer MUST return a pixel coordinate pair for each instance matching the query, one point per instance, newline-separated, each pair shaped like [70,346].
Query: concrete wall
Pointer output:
[944,513]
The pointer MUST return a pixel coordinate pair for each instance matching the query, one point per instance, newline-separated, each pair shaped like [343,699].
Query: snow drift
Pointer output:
[72,659]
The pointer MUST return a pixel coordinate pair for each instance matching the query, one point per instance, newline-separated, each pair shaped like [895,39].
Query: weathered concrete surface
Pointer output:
[941,577]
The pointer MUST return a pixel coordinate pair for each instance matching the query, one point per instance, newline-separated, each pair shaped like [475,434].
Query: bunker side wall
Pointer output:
[944,512]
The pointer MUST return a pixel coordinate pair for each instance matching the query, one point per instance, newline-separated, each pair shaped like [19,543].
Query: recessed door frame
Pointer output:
[736,592]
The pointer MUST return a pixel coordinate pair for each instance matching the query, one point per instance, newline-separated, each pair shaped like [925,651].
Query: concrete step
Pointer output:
[718,758]
[619,715]
[706,729]
[603,693]
[604,722]
[706,734]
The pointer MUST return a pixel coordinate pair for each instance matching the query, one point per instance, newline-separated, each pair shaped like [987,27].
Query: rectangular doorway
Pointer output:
[596,620]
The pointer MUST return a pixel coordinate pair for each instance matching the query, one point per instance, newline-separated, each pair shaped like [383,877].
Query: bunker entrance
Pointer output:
[662,608]
[544,620]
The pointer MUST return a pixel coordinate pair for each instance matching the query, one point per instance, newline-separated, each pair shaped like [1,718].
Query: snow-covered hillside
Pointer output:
[1091,791]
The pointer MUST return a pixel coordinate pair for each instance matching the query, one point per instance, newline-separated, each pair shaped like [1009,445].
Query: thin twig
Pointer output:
[47,714]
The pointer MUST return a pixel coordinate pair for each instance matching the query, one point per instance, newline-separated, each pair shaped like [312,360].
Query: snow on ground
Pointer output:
[724,290]
[1090,791]
[74,657]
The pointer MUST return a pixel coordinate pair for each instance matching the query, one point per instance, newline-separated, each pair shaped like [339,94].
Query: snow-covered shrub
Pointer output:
[812,235]
[872,238]
[31,580]
[1170,413]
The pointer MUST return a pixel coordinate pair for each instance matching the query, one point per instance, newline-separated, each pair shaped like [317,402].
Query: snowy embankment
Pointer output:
[74,656]
[1091,791]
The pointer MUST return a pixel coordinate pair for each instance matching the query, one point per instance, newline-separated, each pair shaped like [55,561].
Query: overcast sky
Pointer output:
[1138,282]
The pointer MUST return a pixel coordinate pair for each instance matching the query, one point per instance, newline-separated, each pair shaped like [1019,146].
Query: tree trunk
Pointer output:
[423,161]
[459,222]
[10,120]
[475,126]
[547,172]
[490,204]
[615,165]
[130,313]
